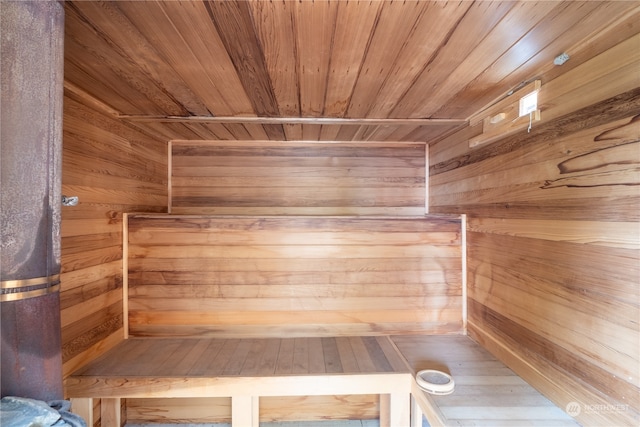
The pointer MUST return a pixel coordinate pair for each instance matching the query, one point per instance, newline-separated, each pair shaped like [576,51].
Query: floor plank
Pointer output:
[332,362]
[316,356]
[269,359]
[301,356]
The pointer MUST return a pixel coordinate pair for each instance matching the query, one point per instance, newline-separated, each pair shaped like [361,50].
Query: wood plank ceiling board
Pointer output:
[121,32]
[178,30]
[429,34]
[462,40]
[214,64]
[390,33]
[354,24]
[106,71]
[530,56]
[274,25]
[315,23]
[514,25]
[234,25]
[238,61]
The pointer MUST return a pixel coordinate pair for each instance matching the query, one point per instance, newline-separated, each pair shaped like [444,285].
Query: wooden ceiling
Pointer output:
[318,70]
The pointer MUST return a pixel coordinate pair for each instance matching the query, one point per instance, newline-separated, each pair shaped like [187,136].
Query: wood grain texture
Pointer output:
[552,241]
[360,59]
[143,357]
[272,409]
[285,179]
[233,22]
[292,276]
[113,168]
[486,391]
[321,376]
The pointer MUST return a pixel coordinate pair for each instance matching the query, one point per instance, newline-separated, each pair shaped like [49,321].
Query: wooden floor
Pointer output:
[487,392]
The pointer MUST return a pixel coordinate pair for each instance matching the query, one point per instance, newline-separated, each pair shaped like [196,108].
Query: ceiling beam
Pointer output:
[296,120]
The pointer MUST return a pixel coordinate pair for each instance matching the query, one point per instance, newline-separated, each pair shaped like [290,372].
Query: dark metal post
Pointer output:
[31,49]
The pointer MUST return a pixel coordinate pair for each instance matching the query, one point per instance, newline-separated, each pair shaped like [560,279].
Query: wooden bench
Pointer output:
[244,370]
[487,392]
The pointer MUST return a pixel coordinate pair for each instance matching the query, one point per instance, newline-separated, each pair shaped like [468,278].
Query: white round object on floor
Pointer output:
[435,382]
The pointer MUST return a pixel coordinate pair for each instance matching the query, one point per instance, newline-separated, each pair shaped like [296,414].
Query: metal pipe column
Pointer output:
[31,49]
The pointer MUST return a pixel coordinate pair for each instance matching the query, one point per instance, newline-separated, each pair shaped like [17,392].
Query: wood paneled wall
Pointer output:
[553,237]
[112,168]
[297,179]
[293,276]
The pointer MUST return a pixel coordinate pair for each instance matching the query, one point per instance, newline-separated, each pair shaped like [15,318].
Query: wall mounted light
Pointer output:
[506,116]
[529,103]
[529,106]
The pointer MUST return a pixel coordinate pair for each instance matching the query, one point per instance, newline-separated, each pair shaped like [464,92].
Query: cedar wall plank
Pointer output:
[553,238]
[113,168]
[298,179]
[295,276]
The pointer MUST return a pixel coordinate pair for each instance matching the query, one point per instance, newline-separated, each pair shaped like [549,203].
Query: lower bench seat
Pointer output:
[487,393]
[245,370]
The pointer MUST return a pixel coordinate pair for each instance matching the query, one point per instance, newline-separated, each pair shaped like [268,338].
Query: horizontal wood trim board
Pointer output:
[303,319]
[444,325]
[624,235]
[295,120]
[265,172]
[404,182]
[271,238]
[306,222]
[224,386]
[292,148]
[295,267]
[383,211]
[292,304]
[300,162]
[229,286]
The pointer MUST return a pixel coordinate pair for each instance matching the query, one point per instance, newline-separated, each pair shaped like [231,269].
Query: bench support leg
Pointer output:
[416,413]
[111,412]
[395,410]
[245,411]
[84,408]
